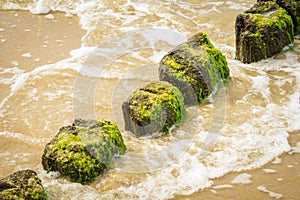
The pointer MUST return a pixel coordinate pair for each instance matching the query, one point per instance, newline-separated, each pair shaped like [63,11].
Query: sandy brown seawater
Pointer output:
[29,41]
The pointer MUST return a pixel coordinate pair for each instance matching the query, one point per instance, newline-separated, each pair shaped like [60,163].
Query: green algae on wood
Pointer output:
[154,108]
[84,150]
[195,67]
[24,184]
[262,31]
[293,9]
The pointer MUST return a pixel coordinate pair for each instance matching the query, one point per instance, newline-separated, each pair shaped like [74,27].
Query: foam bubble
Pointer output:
[130,19]
[39,8]
[277,160]
[261,85]
[156,58]
[269,171]
[243,178]
[296,149]
[271,194]
[142,7]
[26,55]
[49,16]
[82,53]
[223,186]
[85,7]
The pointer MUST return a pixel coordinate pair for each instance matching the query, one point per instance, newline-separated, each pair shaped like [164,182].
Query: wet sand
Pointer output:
[28,41]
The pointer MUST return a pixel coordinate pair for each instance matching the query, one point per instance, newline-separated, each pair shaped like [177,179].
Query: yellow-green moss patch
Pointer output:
[154,108]
[195,67]
[24,184]
[84,150]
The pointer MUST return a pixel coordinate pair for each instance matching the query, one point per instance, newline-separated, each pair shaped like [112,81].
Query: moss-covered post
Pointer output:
[293,9]
[195,67]
[24,184]
[262,31]
[153,108]
[84,150]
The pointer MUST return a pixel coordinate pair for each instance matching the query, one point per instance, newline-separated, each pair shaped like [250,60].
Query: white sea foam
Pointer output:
[235,6]
[161,33]
[296,149]
[216,164]
[26,55]
[243,178]
[277,160]
[39,8]
[85,7]
[49,16]
[82,52]
[186,182]
[236,148]
[269,171]
[261,84]
[271,194]
[21,79]
[15,71]
[53,96]
[24,138]
[292,108]
[223,186]
[95,60]
[43,70]
[13,6]
[142,7]
[130,19]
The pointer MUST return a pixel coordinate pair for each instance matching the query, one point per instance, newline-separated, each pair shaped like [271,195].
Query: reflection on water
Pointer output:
[244,125]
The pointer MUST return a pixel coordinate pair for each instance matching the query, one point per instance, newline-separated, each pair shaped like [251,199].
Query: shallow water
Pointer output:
[244,125]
